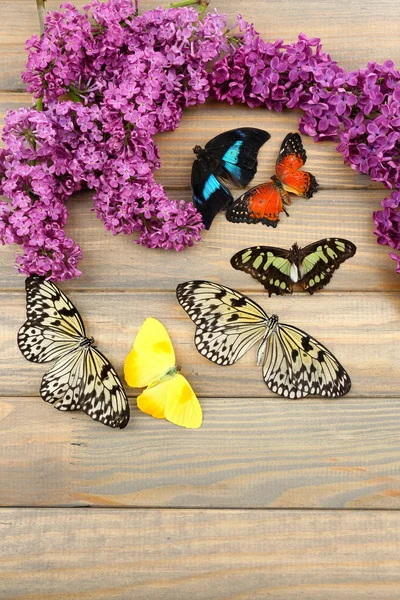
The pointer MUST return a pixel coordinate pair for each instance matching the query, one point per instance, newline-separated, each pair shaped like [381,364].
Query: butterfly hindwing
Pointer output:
[85,379]
[228,323]
[270,266]
[297,365]
[172,399]
[210,196]
[262,203]
[319,260]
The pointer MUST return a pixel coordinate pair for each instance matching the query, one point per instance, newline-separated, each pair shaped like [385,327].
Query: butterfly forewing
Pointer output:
[228,323]
[297,365]
[54,326]
[48,306]
[237,151]
[320,260]
[291,158]
[270,266]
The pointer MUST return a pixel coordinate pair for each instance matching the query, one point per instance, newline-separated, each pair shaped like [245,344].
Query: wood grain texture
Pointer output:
[352,34]
[362,330]
[254,451]
[116,263]
[249,453]
[202,555]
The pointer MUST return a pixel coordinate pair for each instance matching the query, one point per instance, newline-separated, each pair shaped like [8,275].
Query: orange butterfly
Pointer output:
[264,202]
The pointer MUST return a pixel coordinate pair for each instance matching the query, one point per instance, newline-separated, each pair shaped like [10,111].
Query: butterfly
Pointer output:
[264,202]
[294,364]
[278,269]
[151,364]
[231,156]
[82,377]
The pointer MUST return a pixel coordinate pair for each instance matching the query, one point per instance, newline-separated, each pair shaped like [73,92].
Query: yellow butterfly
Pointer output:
[151,364]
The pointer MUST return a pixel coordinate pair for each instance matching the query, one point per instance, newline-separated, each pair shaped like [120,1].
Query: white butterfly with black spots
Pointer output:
[82,377]
[294,364]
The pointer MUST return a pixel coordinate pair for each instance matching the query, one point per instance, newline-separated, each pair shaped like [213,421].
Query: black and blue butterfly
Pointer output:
[230,156]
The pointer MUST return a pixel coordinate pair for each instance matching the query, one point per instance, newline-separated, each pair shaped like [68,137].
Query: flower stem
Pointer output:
[41,12]
[73,96]
[39,104]
[181,3]
[203,7]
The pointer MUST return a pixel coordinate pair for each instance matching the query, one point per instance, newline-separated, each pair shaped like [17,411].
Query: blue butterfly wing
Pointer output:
[210,196]
[236,152]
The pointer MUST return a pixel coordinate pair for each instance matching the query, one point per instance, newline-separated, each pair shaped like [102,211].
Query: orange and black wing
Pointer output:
[261,204]
[291,158]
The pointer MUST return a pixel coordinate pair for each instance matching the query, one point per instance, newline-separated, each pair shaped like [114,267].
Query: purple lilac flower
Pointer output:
[97,125]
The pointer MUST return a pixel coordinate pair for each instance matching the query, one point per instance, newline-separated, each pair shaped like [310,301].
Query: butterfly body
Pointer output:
[228,324]
[81,377]
[230,156]
[265,202]
[151,364]
[278,269]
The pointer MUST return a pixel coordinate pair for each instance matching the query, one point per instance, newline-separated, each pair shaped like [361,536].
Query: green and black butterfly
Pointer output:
[279,269]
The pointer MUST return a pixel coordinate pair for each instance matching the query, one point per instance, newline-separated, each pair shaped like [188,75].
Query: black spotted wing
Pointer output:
[296,365]
[271,266]
[318,261]
[82,377]
[53,325]
[85,379]
[228,323]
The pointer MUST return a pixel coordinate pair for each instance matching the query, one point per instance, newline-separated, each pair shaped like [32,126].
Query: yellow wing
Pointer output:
[151,357]
[174,400]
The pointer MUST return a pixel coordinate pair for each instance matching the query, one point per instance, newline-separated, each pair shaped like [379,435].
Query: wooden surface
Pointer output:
[270,498]
[214,554]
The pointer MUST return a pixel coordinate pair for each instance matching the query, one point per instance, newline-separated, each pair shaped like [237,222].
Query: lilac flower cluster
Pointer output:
[360,109]
[107,80]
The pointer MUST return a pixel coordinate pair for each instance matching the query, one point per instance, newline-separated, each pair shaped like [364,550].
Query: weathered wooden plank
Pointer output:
[361,329]
[115,262]
[249,453]
[203,555]
[176,147]
[374,33]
